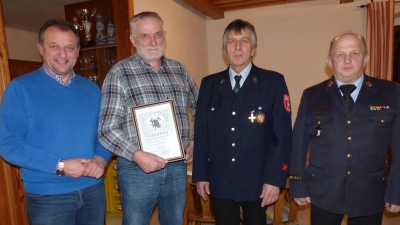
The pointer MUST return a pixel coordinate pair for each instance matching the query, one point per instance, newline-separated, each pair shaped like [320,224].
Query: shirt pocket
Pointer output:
[379,128]
[321,129]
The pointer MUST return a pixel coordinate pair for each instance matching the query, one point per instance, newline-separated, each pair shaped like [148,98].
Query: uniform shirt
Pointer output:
[133,82]
[244,73]
[358,84]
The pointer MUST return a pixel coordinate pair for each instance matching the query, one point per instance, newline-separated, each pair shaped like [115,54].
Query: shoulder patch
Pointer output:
[286,102]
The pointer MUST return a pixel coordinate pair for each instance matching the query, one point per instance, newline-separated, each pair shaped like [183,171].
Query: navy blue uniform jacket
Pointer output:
[347,170]
[233,152]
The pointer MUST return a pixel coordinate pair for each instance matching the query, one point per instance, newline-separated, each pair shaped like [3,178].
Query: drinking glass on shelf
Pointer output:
[93,61]
[79,65]
[87,63]
[95,79]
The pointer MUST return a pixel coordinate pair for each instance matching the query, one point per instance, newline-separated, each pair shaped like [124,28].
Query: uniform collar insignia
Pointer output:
[222,81]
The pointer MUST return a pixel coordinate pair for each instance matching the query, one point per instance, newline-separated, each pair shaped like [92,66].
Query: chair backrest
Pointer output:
[196,208]
[285,209]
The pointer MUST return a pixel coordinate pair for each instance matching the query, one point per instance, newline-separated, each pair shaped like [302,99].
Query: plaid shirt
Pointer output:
[58,78]
[133,82]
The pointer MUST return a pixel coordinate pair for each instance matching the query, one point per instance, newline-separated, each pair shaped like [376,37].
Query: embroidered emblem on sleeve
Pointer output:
[286,102]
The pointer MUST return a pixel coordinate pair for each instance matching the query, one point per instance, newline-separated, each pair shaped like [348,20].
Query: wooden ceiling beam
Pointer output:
[254,3]
[206,7]
[346,1]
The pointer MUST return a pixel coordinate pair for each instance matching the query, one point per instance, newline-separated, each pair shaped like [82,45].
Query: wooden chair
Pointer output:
[197,210]
[285,202]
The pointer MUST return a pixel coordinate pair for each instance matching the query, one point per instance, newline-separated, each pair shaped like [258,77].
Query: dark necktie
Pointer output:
[237,84]
[347,89]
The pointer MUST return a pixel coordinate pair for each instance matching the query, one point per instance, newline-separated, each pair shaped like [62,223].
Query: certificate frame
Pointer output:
[157,130]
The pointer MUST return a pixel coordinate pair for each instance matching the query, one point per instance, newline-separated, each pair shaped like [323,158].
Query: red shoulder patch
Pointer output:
[284,167]
[286,102]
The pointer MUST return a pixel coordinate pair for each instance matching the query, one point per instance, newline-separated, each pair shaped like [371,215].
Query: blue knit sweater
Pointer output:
[43,121]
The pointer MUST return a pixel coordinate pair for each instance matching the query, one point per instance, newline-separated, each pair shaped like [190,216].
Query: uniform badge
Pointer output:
[286,102]
[222,81]
[378,107]
[318,110]
[252,117]
[330,83]
[294,177]
[255,80]
[318,130]
[369,84]
[260,117]
[284,167]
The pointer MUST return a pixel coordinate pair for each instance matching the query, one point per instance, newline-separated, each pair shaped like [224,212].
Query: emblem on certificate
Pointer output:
[157,130]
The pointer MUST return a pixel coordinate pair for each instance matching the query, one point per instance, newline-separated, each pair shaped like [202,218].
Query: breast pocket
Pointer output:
[321,129]
[379,127]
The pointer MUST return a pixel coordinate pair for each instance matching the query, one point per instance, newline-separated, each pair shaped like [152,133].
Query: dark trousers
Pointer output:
[227,212]
[322,217]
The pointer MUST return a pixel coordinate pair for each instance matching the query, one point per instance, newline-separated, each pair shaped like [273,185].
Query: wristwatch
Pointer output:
[60,168]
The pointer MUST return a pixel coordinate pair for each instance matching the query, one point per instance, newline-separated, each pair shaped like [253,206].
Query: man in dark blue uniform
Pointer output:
[243,133]
[348,122]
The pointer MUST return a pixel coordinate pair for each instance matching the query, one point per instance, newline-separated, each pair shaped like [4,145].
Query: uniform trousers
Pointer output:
[227,212]
[322,217]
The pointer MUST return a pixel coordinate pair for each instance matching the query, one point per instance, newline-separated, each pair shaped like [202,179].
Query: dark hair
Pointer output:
[142,16]
[60,24]
[237,26]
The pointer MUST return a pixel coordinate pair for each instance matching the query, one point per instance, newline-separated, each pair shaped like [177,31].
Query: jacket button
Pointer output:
[232,129]
[312,174]
[233,144]
[212,109]
[349,138]
[382,120]
[348,172]
[233,113]
[233,160]
[348,155]
[348,121]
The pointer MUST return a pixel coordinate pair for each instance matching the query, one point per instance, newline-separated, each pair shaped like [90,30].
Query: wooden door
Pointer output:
[12,199]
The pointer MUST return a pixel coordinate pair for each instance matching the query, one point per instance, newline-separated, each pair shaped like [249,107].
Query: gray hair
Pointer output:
[143,16]
[237,26]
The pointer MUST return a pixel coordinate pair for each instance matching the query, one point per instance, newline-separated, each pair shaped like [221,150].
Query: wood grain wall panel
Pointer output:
[12,201]
[20,67]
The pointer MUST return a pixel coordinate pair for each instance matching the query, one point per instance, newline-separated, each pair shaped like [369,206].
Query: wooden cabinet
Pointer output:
[95,61]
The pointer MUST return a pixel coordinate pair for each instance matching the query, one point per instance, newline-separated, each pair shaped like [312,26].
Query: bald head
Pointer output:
[347,35]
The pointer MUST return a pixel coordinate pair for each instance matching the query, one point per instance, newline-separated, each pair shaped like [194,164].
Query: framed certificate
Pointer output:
[157,130]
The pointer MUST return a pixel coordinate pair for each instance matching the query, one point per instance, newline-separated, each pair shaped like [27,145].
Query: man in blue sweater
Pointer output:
[48,127]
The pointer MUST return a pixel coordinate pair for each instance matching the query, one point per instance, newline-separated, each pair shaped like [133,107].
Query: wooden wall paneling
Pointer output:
[131,14]
[20,67]
[121,18]
[12,200]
